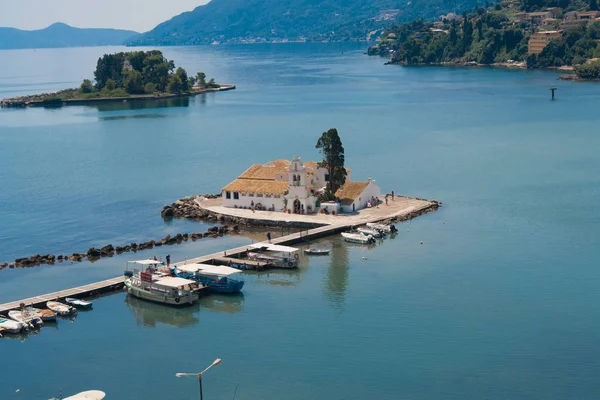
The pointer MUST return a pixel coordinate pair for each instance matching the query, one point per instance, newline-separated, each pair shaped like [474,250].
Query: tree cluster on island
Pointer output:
[330,145]
[141,72]
[494,35]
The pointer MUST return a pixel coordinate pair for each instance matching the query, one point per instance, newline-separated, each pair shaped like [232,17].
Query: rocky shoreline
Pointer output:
[93,254]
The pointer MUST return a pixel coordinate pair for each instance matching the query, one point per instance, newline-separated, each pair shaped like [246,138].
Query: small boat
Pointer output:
[382,227]
[216,277]
[358,238]
[60,308]
[26,317]
[274,254]
[316,252]
[44,314]
[78,303]
[373,232]
[10,326]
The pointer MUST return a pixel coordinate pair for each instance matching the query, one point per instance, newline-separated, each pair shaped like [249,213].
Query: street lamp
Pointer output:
[199,374]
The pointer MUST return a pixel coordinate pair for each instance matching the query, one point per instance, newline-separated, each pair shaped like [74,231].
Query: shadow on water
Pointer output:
[280,277]
[337,274]
[150,314]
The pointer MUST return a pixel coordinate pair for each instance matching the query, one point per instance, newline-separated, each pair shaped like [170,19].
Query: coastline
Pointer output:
[23,102]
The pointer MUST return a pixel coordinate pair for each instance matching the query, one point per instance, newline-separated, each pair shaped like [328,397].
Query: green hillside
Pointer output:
[501,34]
[240,21]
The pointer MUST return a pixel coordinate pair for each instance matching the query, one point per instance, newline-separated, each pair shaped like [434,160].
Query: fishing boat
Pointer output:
[275,254]
[368,231]
[26,317]
[382,227]
[10,326]
[78,303]
[158,287]
[60,308]
[316,252]
[358,238]
[44,314]
[216,277]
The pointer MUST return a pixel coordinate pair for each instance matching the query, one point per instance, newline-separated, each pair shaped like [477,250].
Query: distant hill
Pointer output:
[240,21]
[61,35]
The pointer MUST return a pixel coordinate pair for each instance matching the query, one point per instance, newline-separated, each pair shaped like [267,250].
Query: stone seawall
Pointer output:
[93,254]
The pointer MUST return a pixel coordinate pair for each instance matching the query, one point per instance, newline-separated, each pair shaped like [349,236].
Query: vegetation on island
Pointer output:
[255,21]
[136,73]
[498,35]
[330,145]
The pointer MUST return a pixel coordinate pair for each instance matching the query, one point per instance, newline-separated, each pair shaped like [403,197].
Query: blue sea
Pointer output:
[500,301]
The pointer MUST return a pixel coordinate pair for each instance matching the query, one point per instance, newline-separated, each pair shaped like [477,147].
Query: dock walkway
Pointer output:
[302,236]
[80,291]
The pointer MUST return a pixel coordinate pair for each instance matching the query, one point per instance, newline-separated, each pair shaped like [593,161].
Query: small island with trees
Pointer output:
[135,75]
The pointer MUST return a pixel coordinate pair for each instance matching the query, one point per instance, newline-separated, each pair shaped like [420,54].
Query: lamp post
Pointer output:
[199,374]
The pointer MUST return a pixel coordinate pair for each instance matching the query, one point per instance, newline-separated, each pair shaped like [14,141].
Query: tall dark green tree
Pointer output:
[330,145]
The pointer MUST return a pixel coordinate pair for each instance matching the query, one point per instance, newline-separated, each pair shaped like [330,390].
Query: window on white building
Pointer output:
[236,196]
[228,195]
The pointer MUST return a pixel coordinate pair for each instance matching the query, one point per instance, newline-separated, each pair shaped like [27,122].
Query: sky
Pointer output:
[137,15]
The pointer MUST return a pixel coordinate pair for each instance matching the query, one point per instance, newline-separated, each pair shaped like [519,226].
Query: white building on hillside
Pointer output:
[293,185]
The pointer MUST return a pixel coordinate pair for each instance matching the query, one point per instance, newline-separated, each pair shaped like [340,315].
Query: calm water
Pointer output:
[500,302]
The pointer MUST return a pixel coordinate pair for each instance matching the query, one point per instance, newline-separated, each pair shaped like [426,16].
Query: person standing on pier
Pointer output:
[269,236]
[168,259]
[392,195]
[386,199]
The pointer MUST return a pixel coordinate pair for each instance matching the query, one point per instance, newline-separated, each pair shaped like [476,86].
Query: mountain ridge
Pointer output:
[60,34]
[246,21]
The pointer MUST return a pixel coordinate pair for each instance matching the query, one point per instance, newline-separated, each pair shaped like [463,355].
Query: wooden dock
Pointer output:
[108,285]
[215,258]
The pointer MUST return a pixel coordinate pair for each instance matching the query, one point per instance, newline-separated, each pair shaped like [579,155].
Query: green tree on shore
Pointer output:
[330,145]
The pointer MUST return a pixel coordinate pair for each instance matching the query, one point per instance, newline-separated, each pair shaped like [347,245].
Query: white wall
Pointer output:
[372,190]
[246,201]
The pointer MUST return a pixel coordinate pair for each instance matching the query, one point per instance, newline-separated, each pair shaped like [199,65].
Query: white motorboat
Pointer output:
[358,238]
[156,286]
[60,308]
[382,227]
[275,254]
[26,317]
[78,303]
[11,326]
[373,232]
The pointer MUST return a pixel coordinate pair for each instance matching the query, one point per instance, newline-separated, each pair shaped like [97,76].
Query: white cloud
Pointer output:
[138,15]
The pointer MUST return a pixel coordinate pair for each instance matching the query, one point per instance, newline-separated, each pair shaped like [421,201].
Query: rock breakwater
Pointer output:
[109,250]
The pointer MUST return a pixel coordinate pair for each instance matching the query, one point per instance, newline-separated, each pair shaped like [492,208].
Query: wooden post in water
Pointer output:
[553,89]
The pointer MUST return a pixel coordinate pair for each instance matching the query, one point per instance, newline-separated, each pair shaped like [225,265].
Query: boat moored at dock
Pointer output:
[26,317]
[60,308]
[78,303]
[358,238]
[382,227]
[10,326]
[217,278]
[373,232]
[44,314]
[275,254]
[159,287]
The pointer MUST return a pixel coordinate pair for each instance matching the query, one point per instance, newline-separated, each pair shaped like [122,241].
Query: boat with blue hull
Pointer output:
[217,278]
